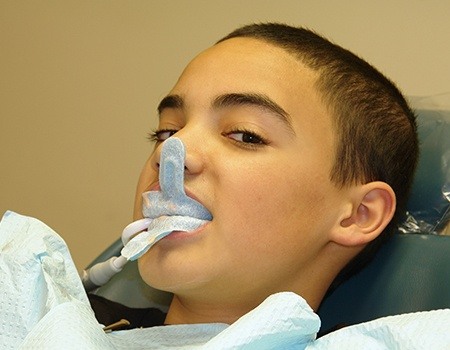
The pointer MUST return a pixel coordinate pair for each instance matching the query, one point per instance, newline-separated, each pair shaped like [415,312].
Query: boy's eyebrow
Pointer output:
[254,99]
[171,101]
[234,99]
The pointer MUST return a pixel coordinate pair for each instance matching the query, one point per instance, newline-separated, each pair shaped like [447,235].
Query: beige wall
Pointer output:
[79,82]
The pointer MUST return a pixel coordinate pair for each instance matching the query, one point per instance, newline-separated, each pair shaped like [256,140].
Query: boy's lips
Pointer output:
[153,187]
[184,235]
[183,228]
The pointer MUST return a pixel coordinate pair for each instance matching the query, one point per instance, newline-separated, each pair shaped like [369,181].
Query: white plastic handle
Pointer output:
[133,228]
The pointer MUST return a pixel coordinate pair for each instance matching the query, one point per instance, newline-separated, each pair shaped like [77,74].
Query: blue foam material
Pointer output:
[171,209]
[172,199]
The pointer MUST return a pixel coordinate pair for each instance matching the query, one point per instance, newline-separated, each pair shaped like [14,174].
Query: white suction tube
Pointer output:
[99,274]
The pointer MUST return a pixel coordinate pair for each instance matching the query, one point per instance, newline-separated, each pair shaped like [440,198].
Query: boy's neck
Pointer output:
[182,311]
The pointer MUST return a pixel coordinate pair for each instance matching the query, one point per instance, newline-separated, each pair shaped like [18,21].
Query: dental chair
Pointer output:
[410,273]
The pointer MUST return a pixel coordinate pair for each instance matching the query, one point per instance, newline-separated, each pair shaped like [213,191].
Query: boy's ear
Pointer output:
[371,208]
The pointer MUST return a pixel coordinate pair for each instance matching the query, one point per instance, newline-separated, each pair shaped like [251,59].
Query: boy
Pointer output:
[304,155]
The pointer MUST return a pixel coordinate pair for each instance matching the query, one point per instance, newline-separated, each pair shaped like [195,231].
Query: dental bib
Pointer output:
[167,210]
[44,306]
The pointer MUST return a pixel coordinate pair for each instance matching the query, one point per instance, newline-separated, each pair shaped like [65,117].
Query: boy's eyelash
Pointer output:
[248,145]
[154,135]
[151,136]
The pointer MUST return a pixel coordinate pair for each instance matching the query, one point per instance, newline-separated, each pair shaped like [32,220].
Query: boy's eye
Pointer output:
[247,137]
[161,135]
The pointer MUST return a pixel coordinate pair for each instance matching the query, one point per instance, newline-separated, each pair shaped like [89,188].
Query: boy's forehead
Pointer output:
[248,65]
[251,66]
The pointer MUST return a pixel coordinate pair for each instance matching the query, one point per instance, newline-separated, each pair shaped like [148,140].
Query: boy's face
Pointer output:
[260,163]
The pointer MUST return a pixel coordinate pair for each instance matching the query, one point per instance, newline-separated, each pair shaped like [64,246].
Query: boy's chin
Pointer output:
[170,277]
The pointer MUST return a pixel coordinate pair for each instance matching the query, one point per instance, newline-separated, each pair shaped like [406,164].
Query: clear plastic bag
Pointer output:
[429,205]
